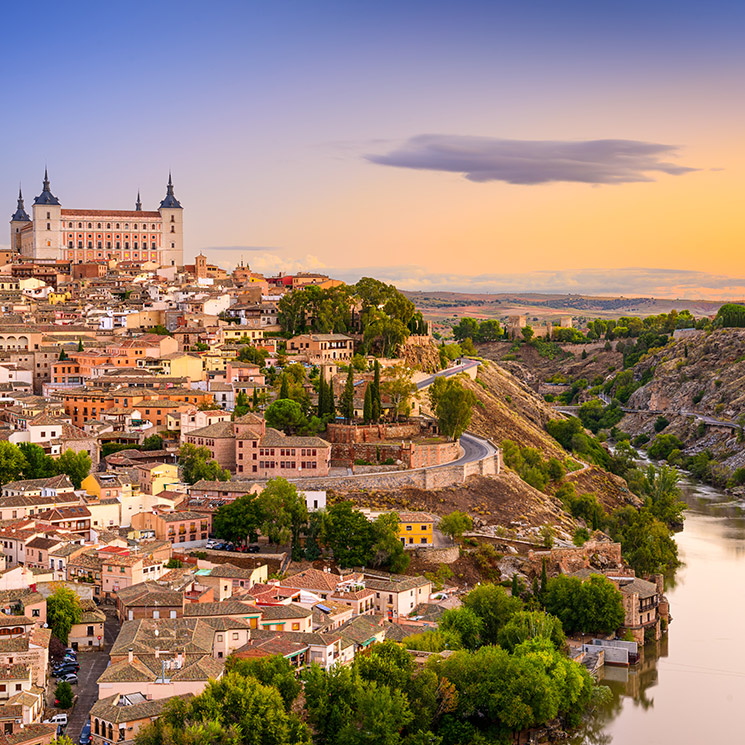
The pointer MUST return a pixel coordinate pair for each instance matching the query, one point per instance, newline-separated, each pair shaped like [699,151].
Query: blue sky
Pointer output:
[279,121]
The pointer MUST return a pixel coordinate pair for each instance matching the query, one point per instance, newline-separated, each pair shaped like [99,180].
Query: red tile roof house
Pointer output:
[251,450]
[326,585]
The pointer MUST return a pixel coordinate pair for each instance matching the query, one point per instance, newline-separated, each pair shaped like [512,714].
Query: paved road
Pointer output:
[474,448]
[709,420]
[449,372]
[92,664]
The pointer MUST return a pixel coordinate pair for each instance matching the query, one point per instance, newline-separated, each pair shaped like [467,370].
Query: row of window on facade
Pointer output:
[99,226]
[70,244]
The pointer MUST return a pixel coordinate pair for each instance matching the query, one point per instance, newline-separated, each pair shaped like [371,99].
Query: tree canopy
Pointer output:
[63,611]
[197,464]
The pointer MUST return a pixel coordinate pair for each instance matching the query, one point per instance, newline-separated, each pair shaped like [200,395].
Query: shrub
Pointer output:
[660,424]
[63,694]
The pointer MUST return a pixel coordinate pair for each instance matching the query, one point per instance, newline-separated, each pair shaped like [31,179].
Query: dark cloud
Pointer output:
[535,161]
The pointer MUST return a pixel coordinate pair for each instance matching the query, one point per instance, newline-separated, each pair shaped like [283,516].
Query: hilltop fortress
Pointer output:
[86,235]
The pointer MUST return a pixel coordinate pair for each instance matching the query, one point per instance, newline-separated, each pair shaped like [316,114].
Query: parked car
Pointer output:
[62,672]
[254,548]
[85,735]
[71,678]
[60,718]
[66,663]
[212,543]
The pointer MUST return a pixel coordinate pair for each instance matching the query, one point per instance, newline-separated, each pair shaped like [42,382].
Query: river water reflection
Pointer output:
[691,687]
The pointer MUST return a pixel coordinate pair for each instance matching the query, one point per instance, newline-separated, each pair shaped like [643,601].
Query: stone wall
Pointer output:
[412,454]
[351,433]
[603,554]
[438,555]
[424,478]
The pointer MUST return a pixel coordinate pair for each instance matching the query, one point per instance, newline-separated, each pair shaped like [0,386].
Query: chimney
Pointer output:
[130,656]
[157,653]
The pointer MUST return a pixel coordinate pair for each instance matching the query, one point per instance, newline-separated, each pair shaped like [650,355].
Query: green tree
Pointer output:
[12,462]
[76,465]
[526,625]
[454,408]
[63,355]
[283,511]
[63,694]
[455,524]
[329,697]
[274,671]
[235,709]
[660,487]
[154,442]
[255,399]
[645,541]
[322,397]
[592,606]
[398,387]
[284,388]
[286,415]
[346,401]
[39,465]
[80,345]
[196,464]
[252,355]
[494,607]
[466,328]
[527,333]
[158,329]
[63,610]
[241,405]
[387,549]
[350,535]
[489,330]
[367,409]
[376,409]
[239,520]
[462,627]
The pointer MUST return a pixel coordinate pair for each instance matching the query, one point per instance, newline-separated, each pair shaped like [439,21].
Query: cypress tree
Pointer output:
[347,396]
[375,410]
[367,411]
[321,396]
[284,388]
[515,586]
[80,345]
[255,399]
[544,577]
[330,404]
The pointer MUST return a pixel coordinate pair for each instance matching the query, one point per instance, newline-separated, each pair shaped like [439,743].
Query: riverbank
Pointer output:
[687,689]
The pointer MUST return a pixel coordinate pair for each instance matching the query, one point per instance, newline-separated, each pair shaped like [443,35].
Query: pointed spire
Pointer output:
[20,214]
[170,201]
[138,203]
[46,197]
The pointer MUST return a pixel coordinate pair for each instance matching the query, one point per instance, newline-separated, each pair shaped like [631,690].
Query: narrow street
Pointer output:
[92,664]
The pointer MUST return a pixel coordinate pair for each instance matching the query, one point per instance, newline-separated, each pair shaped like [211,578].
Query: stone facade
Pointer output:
[85,235]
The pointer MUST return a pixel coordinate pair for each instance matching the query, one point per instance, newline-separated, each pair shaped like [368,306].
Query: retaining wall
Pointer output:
[426,478]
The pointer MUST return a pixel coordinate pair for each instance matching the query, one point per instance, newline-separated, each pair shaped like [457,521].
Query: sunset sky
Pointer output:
[486,146]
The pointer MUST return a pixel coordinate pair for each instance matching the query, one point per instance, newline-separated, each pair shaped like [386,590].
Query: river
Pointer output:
[690,689]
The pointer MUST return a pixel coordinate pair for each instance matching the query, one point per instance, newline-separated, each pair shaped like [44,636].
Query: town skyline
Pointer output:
[475,150]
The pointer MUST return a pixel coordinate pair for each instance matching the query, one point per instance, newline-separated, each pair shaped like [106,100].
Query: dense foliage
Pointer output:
[63,611]
[378,311]
[453,405]
[593,606]
[197,464]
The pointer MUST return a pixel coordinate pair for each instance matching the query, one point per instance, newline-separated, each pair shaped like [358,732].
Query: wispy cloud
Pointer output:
[535,161]
[630,282]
